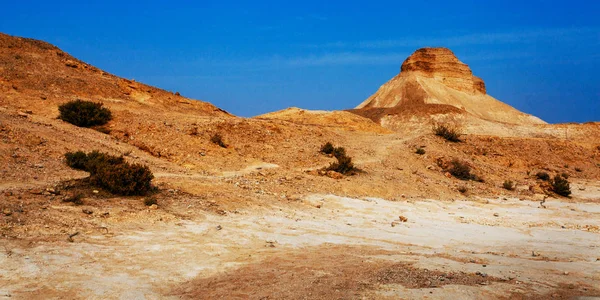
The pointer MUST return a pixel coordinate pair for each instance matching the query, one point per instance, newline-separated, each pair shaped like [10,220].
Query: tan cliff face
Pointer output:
[442,65]
[435,80]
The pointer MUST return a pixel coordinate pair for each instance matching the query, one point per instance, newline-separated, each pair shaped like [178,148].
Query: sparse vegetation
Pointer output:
[84,113]
[327,148]
[420,151]
[561,186]
[448,132]
[112,173]
[461,170]
[150,201]
[542,176]
[508,185]
[217,139]
[344,164]
[462,189]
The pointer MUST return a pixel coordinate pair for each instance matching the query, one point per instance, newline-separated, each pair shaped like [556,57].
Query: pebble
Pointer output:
[153,207]
[95,191]
[566,273]
[496,214]
[87,211]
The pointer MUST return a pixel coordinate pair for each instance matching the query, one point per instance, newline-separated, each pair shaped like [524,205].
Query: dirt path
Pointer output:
[525,248]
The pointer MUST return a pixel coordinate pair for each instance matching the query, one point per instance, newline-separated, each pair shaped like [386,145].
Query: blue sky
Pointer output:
[252,57]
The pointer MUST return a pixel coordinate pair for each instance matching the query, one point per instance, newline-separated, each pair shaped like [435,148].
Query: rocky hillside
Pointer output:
[433,81]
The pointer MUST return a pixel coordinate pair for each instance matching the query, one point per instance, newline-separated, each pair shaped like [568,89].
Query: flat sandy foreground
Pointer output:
[328,247]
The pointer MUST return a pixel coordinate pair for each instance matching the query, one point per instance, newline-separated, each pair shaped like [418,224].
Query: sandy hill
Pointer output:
[341,119]
[432,81]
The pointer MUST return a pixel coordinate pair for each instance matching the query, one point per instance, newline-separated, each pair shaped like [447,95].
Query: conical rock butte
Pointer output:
[435,76]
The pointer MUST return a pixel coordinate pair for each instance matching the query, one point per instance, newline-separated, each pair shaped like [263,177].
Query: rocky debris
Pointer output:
[87,211]
[7,212]
[334,175]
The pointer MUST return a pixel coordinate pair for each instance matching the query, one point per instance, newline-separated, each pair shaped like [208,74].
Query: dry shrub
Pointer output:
[217,139]
[461,170]
[112,173]
[420,151]
[508,185]
[327,148]
[542,176]
[561,186]
[448,131]
[84,113]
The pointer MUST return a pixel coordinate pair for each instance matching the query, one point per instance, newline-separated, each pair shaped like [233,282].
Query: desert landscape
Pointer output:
[431,189]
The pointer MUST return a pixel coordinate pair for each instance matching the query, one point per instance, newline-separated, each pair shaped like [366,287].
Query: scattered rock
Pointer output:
[95,191]
[219,227]
[334,175]
[535,254]
[403,218]
[496,214]
[87,211]
[566,273]
[7,212]
[153,207]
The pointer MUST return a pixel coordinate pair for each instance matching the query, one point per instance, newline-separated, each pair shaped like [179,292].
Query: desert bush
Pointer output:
[84,113]
[565,175]
[339,152]
[462,189]
[327,148]
[112,173]
[448,132]
[217,139]
[578,170]
[420,151]
[561,186]
[542,176]
[343,165]
[461,170]
[508,185]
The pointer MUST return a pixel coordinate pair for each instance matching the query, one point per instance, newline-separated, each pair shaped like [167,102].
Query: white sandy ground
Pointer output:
[144,262]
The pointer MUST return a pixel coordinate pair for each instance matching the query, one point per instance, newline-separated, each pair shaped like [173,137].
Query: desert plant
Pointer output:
[420,151]
[508,185]
[343,165]
[217,139]
[84,113]
[448,132]
[542,176]
[462,189]
[112,173]
[339,152]
[327,148]
[461,170]
[565,175]
[578,170]
[150,201]
[561,186]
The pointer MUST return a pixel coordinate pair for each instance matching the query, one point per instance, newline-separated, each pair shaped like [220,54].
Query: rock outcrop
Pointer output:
[442,65]
[435,81]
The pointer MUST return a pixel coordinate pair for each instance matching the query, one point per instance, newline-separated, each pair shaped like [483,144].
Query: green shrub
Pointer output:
[461,170]
[84,113]
[327,148]
[217,139]
[112,173]
[508,185]
[561,186]
[542,176]
[450,133]
[420,151]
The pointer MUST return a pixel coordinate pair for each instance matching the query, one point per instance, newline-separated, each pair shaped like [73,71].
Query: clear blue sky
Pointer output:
[252,57]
